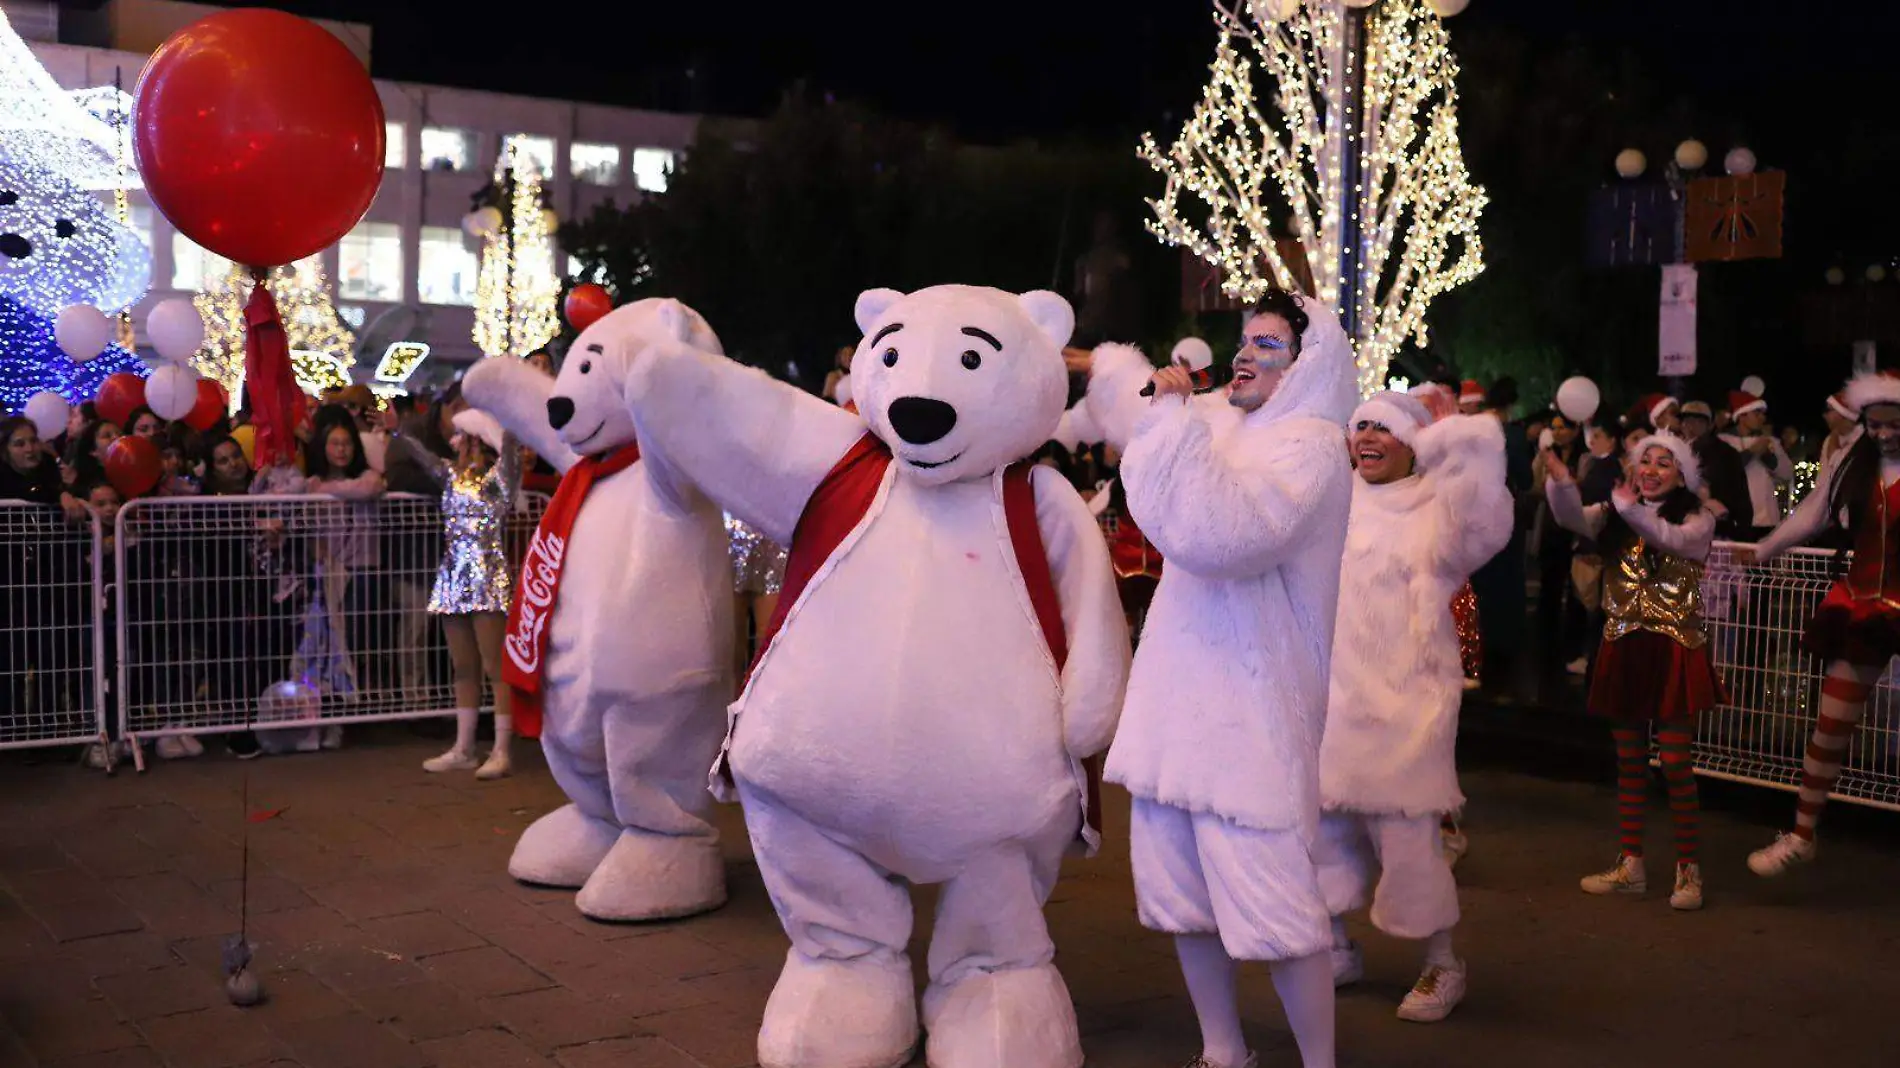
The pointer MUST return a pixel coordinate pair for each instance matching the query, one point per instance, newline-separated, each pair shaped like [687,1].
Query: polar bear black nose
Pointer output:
[15,246]
[921,420]
[560,410]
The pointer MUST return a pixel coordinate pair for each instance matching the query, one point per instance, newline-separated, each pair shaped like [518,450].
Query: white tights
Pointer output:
[1305,986]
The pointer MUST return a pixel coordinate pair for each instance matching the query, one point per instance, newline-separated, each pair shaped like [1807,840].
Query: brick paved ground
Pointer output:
[390,937]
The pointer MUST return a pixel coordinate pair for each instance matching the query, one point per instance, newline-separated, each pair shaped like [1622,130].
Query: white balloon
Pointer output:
[1578,398]
[172,391]
[1835,276]
[1631,162]
[176,329]
[1739,161]
[1194,351]
[482,222]
[48,412]
[82,331]
[1692,155]
[1754,384]
[1445,9]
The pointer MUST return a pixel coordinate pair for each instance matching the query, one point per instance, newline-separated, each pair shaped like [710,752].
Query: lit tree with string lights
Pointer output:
[1353,151]
[320,344]
[517,287]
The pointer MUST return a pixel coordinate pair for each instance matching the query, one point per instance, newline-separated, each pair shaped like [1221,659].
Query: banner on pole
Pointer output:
[1676,333]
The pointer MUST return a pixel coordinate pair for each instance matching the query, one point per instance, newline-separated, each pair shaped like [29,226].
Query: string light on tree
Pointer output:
[1241,160]
[320,344]
[516,289]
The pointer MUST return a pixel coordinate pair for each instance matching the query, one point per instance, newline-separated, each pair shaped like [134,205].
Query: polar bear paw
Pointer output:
[1020,1017]
[840,1014]
[647,876]
[562,848]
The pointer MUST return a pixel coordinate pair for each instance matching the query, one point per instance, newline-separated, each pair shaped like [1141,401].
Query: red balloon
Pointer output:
[258,135]
[585,304]
[210,405]
[120,395]
[133,466]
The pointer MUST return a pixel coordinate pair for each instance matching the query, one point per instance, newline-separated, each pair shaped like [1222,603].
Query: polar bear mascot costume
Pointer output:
[947,652]
[622,632]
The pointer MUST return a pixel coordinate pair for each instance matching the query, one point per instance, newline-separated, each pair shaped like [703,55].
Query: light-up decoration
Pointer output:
[400,360]
[1243,160]
[43,122]
[517,286]
[60,246]
[320,345]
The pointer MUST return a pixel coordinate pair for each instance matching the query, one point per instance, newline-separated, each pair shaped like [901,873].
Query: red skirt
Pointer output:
[1857,631]
[1645,676]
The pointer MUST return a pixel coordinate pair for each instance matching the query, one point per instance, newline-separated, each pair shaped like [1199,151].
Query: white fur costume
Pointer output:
[908,722]
[1220,732]
[1388,765]
[639,646]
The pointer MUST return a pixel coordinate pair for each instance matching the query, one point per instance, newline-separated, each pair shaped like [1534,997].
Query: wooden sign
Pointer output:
[1735,218]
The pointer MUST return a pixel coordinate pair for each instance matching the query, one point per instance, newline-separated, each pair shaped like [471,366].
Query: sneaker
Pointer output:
[1688,894]
[244,746]
[497,766]
[1626,878]
[1455,844]
[1579,666]
[1436,993]
[1787,851]
[1252,1061]
[96,756]
[453,760]
[1349,964]
[169,747]
[191,745]
[333,737]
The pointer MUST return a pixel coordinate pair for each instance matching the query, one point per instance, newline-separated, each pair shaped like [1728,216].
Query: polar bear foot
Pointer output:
[840,1014]
[562,848]
[1020,1017]
[648,876]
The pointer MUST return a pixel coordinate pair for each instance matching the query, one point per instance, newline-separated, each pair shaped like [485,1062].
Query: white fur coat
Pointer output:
[1227,697]
[1397,681]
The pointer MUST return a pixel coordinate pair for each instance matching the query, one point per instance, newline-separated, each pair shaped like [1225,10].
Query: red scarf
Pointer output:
[527,639]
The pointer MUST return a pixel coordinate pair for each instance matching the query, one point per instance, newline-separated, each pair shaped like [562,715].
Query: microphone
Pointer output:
[1191,353]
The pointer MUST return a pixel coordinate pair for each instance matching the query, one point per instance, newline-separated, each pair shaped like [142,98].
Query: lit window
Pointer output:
[192,266]
[393,145]
[532,149]
[651,167]
[445,266]
[369,262]
[595,164]
[446,149]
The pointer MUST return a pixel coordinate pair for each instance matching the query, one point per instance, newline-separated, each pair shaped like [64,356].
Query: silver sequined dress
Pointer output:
[758,565]
[474,573]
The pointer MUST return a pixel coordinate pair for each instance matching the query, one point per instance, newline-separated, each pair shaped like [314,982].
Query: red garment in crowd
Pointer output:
[1464,618]
[1859,620]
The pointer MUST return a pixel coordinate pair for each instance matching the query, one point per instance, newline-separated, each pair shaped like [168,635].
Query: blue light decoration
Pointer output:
[30,361]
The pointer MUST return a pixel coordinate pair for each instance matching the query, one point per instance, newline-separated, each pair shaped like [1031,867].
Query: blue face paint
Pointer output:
[1270,353]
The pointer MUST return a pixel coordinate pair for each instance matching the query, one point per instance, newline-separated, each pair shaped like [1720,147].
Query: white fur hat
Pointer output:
[1879,387]
[1838,405]
[1685,457]
[1402,414]
[481,424]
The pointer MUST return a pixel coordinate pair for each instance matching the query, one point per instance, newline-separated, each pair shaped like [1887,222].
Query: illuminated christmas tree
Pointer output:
[516,290]
[1243,164]
[321,346]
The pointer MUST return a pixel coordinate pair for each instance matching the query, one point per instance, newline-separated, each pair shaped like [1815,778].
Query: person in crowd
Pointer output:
[1654,668]
[1765,464]
[1470,397]
[86,455]
[1796,444]
[361,404]
[28,473]
[1843,426]
[1428,507]
[1559,617]
[1723,476]
[1855,632]
[758,573]
[36,583]
[1500,584]
[412,552]
[346,551]
[1597,477]
[473,586]
[1245,492]
[145,423]
[1657,412]
[104,501]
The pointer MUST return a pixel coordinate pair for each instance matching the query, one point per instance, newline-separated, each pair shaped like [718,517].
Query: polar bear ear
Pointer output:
[1051,314]
[872,304]
[675,320]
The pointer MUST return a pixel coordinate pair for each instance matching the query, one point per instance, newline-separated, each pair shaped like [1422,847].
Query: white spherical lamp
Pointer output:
[1739,161]
[1275,10]
[82,331]
[1754,384]
[1631,162]
[1876,272]
[1445,9]
[1692,155]
[176,329]
[1835,276]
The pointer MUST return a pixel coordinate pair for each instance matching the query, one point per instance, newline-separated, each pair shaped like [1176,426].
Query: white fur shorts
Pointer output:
[1416,896]
[1196,873]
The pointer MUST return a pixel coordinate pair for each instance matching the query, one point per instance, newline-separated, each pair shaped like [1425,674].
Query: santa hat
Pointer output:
[1399,413]
[1680,449]
[480,424]
[1650,407]
[1879,387]
[1741,402]
[1470,392]
[1838,405]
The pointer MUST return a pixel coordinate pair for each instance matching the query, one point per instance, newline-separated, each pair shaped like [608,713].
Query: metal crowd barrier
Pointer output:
[51,689]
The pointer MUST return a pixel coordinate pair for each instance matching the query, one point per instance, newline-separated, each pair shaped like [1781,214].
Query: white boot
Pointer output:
[562,848]
[648,876]
[840,1014]
[1019,1017]
[461,756]
[498,765]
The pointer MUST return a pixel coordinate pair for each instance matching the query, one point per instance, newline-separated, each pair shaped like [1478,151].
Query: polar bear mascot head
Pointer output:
[587,408]
[960,380]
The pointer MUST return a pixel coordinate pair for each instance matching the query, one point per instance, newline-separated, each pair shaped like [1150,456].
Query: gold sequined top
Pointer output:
[1647,589]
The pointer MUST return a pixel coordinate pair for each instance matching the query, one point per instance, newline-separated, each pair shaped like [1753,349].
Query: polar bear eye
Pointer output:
[586,366]
[8,198]
[890,357]
[971,360]
[64,228]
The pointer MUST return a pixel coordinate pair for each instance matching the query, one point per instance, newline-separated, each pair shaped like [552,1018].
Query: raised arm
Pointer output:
[1114,405]
[1803,525]
[1568,509]
[1462,457]
[364,487]
[516,394]
[757,446]
[432,465]
[1097,669]
[1235,511]
[1690,538]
